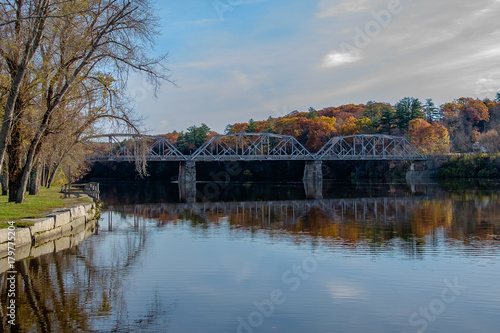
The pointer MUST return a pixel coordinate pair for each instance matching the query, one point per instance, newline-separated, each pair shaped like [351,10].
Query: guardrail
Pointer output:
[90,189]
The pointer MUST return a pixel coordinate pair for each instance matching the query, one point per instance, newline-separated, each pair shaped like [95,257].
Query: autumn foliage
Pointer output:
[429,138]
[461,125]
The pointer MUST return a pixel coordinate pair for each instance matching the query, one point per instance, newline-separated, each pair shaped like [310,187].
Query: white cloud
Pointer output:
[242,79]
[338,58]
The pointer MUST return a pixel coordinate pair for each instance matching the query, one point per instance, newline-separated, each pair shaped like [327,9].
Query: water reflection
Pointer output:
[415,215]
[157,265]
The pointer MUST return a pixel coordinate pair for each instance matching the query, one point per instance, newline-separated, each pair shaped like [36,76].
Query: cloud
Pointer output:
[338,58]
[242,79]
[329,8]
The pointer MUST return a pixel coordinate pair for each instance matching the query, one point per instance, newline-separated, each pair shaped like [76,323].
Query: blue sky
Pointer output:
[239,59]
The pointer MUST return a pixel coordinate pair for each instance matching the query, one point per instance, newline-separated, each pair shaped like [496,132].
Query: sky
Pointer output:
[235,60]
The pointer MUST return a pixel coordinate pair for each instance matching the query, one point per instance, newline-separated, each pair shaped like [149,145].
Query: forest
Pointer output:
[464,125]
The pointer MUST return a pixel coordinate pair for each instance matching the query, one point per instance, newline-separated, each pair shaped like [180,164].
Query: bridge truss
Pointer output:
[132,147]
[368,147]
[250,147]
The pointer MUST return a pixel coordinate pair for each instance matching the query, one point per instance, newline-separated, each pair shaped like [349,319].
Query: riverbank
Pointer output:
[36,206]
[61,229]
[482,165]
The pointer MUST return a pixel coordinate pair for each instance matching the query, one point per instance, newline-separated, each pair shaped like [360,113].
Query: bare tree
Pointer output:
[88,47]
[22,28]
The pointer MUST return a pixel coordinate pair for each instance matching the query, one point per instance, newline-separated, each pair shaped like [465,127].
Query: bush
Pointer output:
[471,166]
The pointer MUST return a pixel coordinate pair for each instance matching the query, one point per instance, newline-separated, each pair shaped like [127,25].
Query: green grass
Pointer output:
[35,206]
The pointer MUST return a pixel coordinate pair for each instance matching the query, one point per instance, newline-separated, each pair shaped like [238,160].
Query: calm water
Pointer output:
[263,258]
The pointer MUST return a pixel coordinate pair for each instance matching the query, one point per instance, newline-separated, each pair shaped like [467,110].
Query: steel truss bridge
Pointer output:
[251,147]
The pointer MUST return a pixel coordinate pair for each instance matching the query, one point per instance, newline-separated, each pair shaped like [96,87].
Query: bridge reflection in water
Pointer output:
[280,214]
[413,220]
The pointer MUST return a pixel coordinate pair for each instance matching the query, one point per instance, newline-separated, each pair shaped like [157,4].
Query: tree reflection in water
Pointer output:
[82,289]
[66,291]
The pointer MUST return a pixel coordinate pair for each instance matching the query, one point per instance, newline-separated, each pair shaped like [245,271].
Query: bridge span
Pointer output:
[242,147]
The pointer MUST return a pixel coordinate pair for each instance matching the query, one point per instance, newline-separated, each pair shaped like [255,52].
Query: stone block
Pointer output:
[78,228]
[77,212]
[62,244]
[89,211]
[42,249]
[74,227]
[67,229]
[41,225]
[4,265]
[4,249]
[24,236]
[79,220]
[23,252]
[51,235]
[61,217]
[4,235]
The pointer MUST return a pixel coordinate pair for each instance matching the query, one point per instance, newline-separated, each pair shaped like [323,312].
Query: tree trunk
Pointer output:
[34,183]
[33,152]
[15,154]
[4,180]
[53,174]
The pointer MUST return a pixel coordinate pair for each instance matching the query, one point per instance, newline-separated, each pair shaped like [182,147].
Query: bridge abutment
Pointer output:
[187,181]
[313,179]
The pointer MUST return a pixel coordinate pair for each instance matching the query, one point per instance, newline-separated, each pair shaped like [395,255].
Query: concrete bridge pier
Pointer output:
[187,181]
[420,170]
[313,180]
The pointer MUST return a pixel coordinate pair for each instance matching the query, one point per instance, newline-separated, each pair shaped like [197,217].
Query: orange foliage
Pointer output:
[429,138]
[289,126]
[343,112]
[474,110]
[239,127]
[170,137]
[451,110]
[321,129]
[350,127]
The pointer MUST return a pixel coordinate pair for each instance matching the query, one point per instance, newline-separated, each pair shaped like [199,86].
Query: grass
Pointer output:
[35,206]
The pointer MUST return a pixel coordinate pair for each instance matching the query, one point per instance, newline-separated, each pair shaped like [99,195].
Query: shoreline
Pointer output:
[59,230]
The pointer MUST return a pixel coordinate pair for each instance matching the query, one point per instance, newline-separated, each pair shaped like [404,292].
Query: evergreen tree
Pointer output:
[432,113]
[193,138]
[252,126]
[407,109]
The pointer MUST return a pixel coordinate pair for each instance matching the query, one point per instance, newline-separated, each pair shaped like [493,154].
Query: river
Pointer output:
[367,257]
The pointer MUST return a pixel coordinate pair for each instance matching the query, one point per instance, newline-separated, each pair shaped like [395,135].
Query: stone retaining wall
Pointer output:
[49,234]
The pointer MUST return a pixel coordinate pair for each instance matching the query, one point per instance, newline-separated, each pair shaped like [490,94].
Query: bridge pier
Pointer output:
[187,181]
[313,179]
[313,171]
[420,170]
